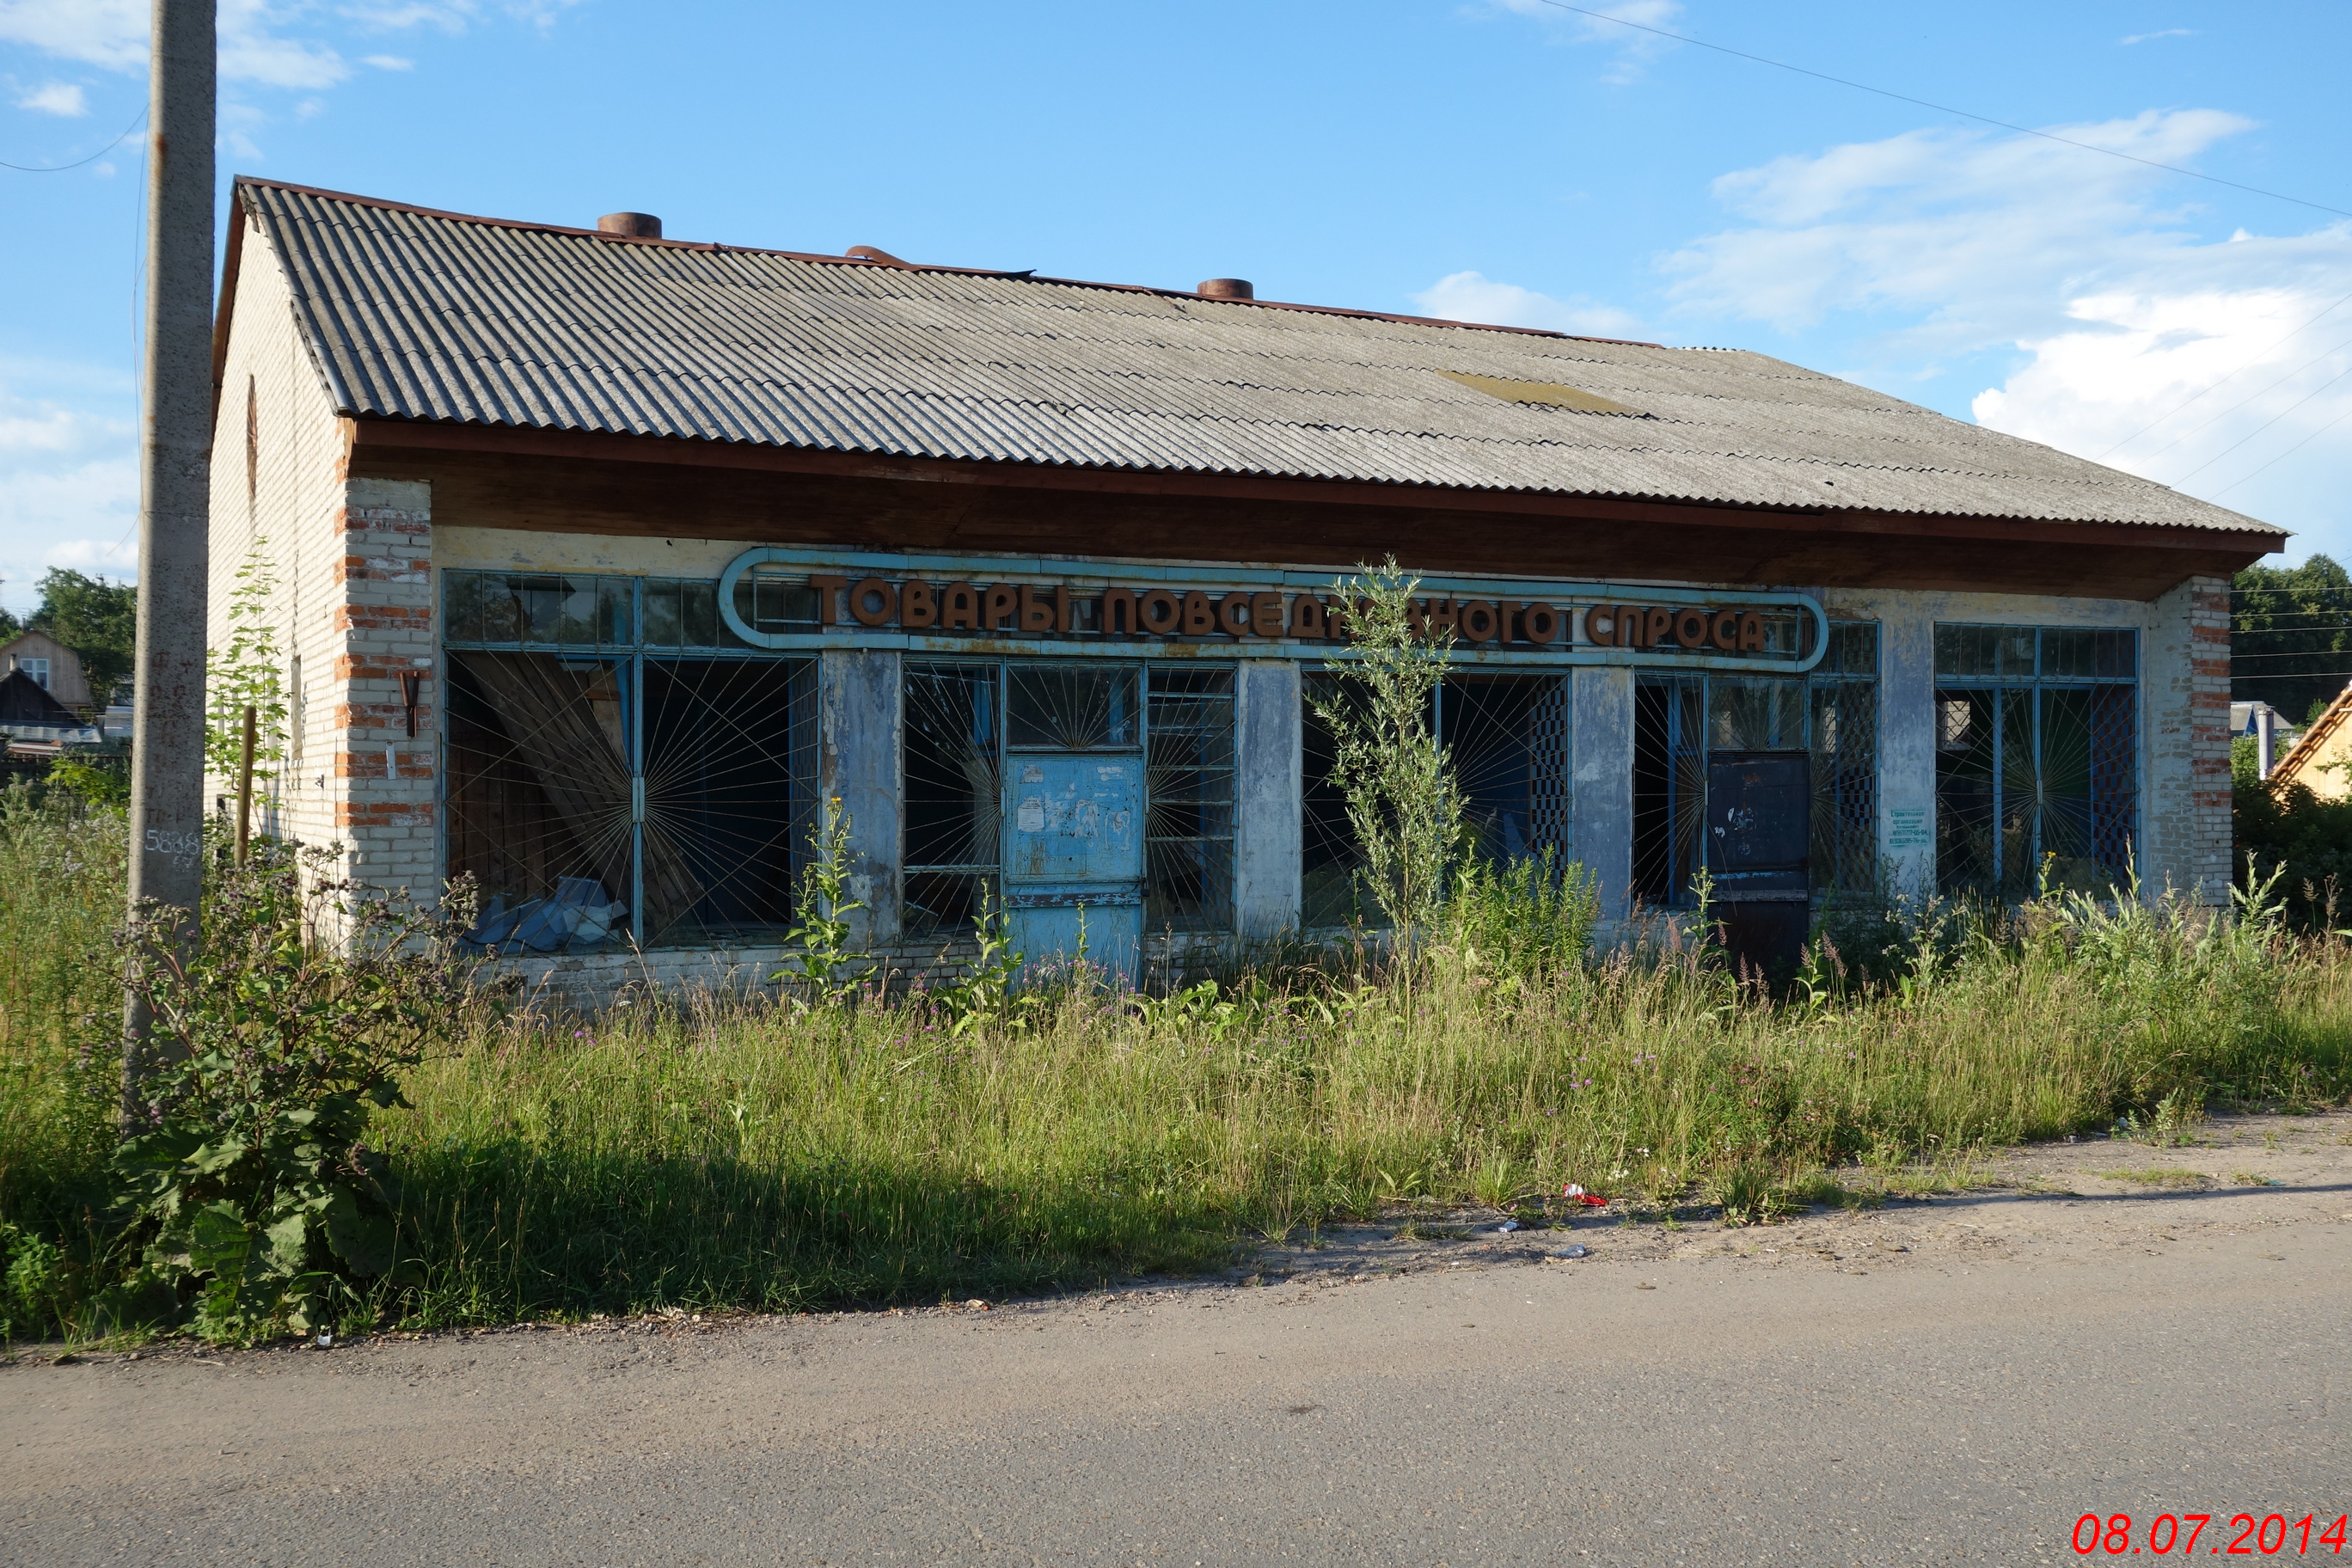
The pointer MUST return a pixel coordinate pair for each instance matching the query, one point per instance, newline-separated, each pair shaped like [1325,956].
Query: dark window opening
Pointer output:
[1831,714]
[952,766]
[2036,759]
[1509,737]
[602,788]
[729,795]
[538,796]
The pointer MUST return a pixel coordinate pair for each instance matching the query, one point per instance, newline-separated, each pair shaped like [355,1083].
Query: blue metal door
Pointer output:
[1074,851]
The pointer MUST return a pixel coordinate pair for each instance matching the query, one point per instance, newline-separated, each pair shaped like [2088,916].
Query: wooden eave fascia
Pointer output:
[224,311]
[387,436]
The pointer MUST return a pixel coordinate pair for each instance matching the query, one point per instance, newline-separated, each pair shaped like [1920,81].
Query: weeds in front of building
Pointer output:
[707,1152]
[1405,805]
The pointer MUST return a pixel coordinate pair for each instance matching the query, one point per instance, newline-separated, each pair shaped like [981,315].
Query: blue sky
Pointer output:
[1498,160]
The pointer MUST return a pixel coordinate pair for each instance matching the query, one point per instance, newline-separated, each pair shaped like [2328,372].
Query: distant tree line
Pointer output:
[2291,636]
[96,618]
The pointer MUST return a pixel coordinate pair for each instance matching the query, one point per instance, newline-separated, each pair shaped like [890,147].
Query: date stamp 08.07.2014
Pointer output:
[2272,1534]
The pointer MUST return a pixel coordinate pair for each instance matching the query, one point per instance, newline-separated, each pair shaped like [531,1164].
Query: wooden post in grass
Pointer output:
[244,789]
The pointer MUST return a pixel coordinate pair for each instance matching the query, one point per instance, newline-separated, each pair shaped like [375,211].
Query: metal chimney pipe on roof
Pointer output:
[1226,289]
[630,225]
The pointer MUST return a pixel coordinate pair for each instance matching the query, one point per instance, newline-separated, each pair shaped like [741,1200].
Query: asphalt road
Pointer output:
[1805,1394]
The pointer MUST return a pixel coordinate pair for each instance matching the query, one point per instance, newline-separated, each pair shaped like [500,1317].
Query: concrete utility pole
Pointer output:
[167,759]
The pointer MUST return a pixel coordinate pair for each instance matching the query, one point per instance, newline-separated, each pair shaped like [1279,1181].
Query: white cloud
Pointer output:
[1473,297]
[2166,33]
[389,63]
[69,478]
[1600,24]
[2113,308]
[109,33]
[55,97]
[117,558]
[1971,231]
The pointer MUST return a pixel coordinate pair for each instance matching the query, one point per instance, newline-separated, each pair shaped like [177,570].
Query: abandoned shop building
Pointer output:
[600,563]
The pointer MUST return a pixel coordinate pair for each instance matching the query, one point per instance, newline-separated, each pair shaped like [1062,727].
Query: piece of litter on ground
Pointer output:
[977,1305]
[1571,1191]
[1508,1226]
[1578,1251]
[1645,1284]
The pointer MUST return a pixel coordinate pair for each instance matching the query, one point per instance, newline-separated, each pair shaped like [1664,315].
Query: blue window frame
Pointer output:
[1831,713]
[2037,758]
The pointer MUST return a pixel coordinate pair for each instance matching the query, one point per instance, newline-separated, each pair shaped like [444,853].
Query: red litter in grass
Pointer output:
[1589,1200]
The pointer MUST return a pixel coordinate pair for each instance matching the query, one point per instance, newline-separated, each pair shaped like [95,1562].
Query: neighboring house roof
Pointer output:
[21,701]
[2312,747]
[2244,716]
[51,647]
[412,315]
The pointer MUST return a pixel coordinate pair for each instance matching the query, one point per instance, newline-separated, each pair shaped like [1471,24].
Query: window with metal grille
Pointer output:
[1831,714]
[1508,738]
[615,773]
[2036,758]
[962,720]
[1188,781]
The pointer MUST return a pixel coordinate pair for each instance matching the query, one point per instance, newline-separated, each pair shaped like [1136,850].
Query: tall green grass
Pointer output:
[701,1152]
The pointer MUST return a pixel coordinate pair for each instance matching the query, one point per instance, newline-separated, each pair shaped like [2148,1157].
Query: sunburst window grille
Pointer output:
[953,759]
[616,772]
[962,720]
[1509,739]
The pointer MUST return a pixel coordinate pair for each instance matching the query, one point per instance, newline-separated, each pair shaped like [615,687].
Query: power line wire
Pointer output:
[2214,386]
[2258,429]
[2314,653]
[2298,446]
[61,168]
[2273,386]
[1943,107]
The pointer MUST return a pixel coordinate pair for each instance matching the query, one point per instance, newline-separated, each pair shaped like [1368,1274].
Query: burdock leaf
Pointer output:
[212,1159]
[289,1243]
[363,1240]
[218,1241]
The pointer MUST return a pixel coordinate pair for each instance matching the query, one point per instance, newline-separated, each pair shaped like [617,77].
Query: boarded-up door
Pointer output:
[1759,833]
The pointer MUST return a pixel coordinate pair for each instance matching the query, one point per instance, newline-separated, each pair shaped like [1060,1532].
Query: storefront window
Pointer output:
[600,787]
[1829,714]
[957,756]
[2036,758]
[1509,737]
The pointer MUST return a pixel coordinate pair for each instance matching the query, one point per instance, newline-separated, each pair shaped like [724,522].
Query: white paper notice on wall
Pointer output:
[1031,816]
[1907,827]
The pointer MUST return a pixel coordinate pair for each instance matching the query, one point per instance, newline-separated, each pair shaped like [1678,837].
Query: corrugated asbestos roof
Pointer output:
[429,316]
